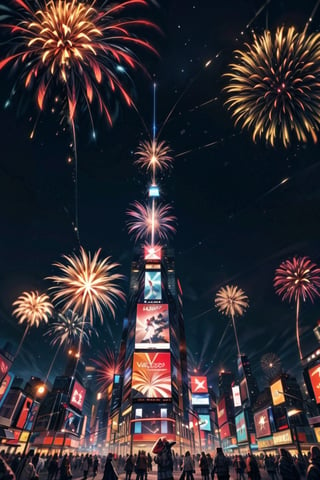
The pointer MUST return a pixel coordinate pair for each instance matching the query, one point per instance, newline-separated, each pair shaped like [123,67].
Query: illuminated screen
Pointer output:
[151,375]
[222,412]
[5,364]
[5,387]
[152,285]
[262,423]
[72,422]
[241,428]
[77,396]
[236,396]
[152,326]
[314,375]
[152,253]
[225,431]
[24,413]
[199,399]
[204,421]
[277,393]
[31,418]
[243,390]
[199,385]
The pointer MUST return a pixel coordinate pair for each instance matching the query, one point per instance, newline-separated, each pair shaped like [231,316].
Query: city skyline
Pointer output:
[242,208]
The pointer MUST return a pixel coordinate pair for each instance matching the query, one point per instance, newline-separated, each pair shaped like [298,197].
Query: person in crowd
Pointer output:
[129,466]
[221,465]
[287,467]
[163,458]
[6,473]
[210,463]
[26,470]
[65,469]
[313,472]
[109,470]
[271,466]
[239,465]
[85,467]
[149,461]
[53,467]
[252,467]
[95,466]
[141,465]
[204,467]
[188,467]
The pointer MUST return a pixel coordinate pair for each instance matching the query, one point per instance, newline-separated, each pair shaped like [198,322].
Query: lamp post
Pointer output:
[292,413]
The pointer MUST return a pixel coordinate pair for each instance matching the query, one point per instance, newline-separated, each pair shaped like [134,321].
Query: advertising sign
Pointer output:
[24,413]
[152,286]
[225,431]
[222,412]
[5,364]
[72,422]
[77,396]
[277,393]
[241,428]
[236,396]
[244,390]
[152,252]
[5,386]
[31,418]
[151,375]
[204,421]
[199,384]
[199,399]
[262,423]
[314,375]
[152,326]
[282,438]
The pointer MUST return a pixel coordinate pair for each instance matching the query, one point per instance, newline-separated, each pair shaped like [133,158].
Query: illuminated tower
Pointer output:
[152,395]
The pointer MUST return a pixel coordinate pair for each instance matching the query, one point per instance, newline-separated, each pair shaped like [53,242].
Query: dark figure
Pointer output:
[141,465]
[85,467]
[188,467]
[163,459]
[109,472]
[65,469]
[95,466]
[221,465]
[149,461]
[239,465]
[313,472]
[128,467]
[271,467]
[204,466]
[287,468]
[53,467]
[253,468]
[6,472]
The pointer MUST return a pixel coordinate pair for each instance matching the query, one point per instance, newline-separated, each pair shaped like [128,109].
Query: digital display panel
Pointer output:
[241,428]
[77,396]
[152,286]
[5,364]
[152,252]
[314,375]
[199,399]
[244,390]
[24,413]
[151,375]
[72,422]
[204,421]
[32,415]
[236,396]
[199,384]
[277,393]
[262,423]
[5,387]
[222,412]
[152,326]
[225,431]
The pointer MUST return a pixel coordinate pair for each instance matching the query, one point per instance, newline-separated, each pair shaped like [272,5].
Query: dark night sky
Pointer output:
[233,227]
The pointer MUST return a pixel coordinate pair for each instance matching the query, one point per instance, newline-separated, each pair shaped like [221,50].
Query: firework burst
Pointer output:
[83,47]
[32,308]
[68,329]
[86,284]
[271,365]
[107,366]
[154,156]
[274,88]
[297,279]
[144,220]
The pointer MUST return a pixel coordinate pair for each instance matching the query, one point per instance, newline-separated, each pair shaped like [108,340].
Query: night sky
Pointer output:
[236,221]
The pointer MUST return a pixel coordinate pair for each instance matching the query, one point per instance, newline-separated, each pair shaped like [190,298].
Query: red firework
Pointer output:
[146,221]
[107,367]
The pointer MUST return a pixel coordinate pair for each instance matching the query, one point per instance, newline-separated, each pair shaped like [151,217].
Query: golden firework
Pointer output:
[86,284]
[32,308]
[153,155]
[231,301]
[274,87]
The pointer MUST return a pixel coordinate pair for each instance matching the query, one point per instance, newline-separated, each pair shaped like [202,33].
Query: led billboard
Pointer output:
[314,375]
[199,384]
[5,364]
[241,428]
[236,396]
[152,286]
[32,415]
[204,421]
[77,396]
[262,423]
[152,252]
[5,386]
[199,399]
[24,413]
[225,431]
[152,326]
[72,422]
[244,390]
[151,375]
[277,393]
[222,412]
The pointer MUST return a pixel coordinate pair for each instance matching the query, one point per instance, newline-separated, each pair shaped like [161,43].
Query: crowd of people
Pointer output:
[164,461]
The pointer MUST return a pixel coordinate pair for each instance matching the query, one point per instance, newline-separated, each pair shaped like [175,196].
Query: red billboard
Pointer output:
[152,326]
[5,364]
[314,375]
[5,387]
[24,413]
[77,396]
[152,252]
[222,412]
[225,431]
[199,384]
[151,375]
[262,423]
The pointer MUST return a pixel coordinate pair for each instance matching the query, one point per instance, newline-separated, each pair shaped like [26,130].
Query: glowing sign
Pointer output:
[222,412]
[152,326]
[24,413]
[204,421]
[199,399]
[277,393]
[236,396]
[32,415]
[199,385]
[152,286]
[154,191]
[4,366]
[72,422]
[241,428]
[225,431]
[5,387]
[152,252]
[77,396]
[151,375]
[262,424]
[314,375]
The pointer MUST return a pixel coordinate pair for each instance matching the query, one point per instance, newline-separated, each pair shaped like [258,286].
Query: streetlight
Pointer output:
[292,413]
